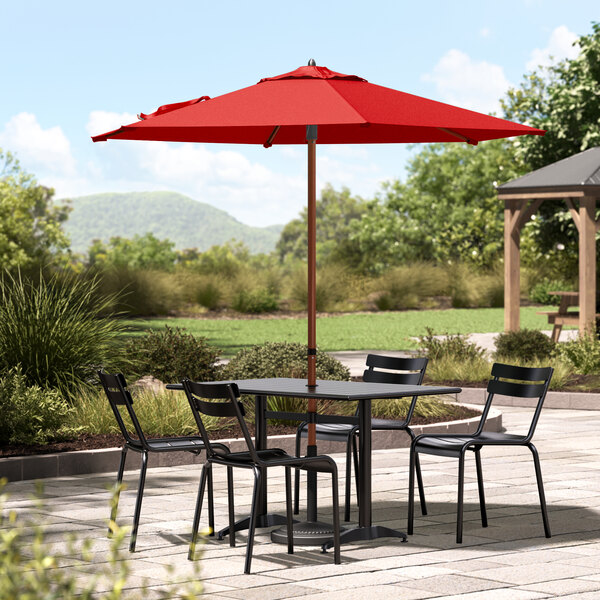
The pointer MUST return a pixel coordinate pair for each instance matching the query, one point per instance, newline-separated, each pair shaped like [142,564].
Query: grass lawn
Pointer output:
[373,331]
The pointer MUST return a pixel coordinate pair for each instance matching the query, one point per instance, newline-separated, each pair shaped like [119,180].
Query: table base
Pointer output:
[361,534]
[307,533]
[268,520]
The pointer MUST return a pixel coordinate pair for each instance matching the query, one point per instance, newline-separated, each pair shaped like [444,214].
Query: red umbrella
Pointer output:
[308,106]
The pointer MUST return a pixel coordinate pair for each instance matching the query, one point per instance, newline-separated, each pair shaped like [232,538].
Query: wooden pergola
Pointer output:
[576,180]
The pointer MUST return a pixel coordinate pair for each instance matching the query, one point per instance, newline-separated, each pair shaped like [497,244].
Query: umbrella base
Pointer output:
[307,533]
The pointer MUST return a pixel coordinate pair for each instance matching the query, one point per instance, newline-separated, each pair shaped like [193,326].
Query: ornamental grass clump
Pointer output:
[59,330]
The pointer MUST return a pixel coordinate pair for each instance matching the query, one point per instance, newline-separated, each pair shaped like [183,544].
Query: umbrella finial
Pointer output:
[312,63]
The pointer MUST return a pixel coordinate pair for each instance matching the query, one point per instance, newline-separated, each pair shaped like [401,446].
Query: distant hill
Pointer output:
[188,223]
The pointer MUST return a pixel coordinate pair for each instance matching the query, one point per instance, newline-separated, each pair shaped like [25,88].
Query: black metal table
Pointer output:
[310,533]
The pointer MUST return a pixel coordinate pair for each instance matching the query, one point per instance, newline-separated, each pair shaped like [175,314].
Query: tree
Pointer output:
[563,99]
[335,212]
[447,210]
[30,224]
[140,252]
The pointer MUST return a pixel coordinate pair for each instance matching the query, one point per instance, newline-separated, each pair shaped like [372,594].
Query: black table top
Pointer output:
[332,390]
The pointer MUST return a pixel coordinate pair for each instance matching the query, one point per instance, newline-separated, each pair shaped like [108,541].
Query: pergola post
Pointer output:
[512,264]
[587,264]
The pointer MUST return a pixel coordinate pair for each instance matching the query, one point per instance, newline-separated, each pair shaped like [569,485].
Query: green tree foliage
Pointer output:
[141,252]
[564,100]
[335,212]
[447,210]
[30,224]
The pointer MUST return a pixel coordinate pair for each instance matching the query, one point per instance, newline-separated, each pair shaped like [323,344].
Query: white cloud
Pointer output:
[38,148]
[460,80]
[102,121]
[560,46]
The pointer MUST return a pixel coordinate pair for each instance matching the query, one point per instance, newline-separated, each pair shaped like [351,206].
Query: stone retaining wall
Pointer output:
[106,460]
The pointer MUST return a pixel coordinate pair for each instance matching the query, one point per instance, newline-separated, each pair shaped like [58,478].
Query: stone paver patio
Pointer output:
[509,560]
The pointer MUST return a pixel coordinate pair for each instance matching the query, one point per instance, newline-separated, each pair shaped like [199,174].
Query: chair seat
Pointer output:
[387,424]
[330,431]
[190,444]
[451,445]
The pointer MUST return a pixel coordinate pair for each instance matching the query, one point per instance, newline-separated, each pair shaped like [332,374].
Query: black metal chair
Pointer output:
[120,399]
[405,371]
[256,460]
[508,380]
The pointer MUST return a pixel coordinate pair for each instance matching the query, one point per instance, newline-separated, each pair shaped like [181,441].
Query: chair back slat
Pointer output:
[525,389]
[396,363]
[115,388]
[406,370]
[231,407]
[519,390]
[387,377]
[503,371]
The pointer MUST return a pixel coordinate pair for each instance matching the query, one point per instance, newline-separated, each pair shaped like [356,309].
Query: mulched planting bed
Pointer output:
[113,440]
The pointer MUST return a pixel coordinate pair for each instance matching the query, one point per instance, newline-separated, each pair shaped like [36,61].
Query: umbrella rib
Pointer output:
[460,136]
[270,139]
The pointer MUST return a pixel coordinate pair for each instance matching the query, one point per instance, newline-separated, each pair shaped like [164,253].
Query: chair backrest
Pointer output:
[197,394]
[400,370]
[520,382]
[119,396]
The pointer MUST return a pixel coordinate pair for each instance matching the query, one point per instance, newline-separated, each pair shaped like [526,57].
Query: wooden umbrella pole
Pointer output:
[312,281]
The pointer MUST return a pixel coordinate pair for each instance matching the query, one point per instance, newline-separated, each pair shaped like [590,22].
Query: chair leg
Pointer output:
[297,478]
[230,504]
[419,476]
[459,508]
[288,509]
[115,499]
[540,484]
[411,490]
[211,504]
[484,521]
[349,456]
[336,519]
[356,467]
[138,502]
[201,486]
[252,523]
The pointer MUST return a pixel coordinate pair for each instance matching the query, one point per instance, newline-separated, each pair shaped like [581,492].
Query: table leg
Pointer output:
[365,530]
[263,519]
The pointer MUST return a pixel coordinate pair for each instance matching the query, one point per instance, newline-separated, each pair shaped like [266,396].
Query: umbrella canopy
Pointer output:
[308,106]
[347,110]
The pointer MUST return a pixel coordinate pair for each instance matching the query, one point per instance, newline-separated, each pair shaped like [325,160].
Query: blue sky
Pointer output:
[72,69]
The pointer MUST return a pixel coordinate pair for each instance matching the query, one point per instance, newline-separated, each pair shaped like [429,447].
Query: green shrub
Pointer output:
[30,414]
[255,301]
[525,345]
[332,287]
[470,289]
[172,355]
[58,330]
[455,347]
[405,287]
[539,292]
[282,359]
[141,292]
[208,292]
[583,354]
